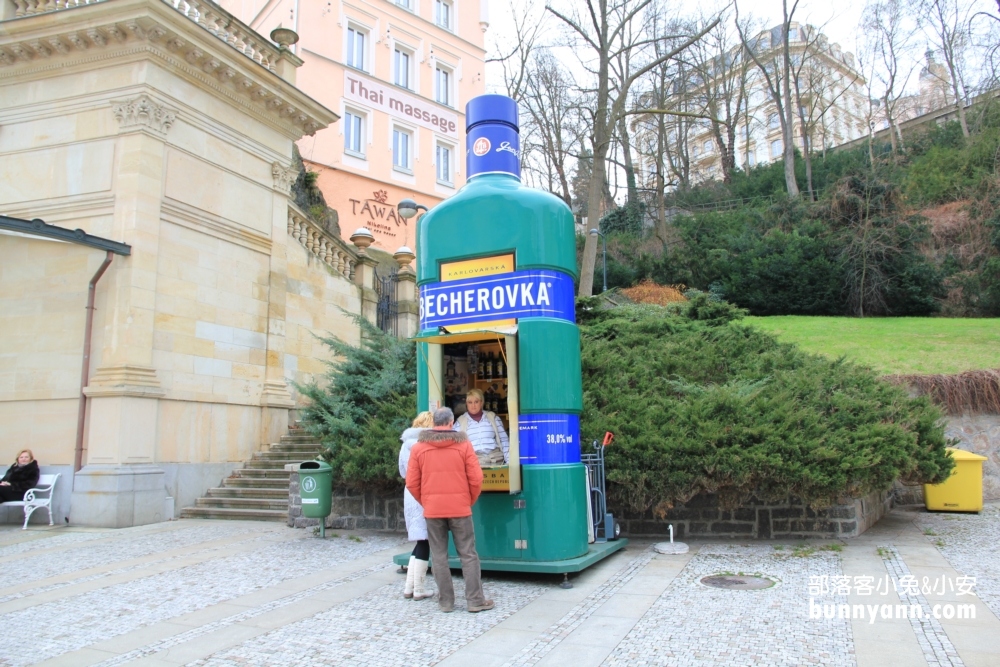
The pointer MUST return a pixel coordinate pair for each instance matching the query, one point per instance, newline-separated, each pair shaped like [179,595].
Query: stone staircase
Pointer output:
[258,491]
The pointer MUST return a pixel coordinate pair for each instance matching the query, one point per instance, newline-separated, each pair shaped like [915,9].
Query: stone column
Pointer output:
[7,10]
[406,294]
[120,485]
[364,274]
[276,399]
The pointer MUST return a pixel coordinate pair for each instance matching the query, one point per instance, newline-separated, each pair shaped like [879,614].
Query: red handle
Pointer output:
[609,437]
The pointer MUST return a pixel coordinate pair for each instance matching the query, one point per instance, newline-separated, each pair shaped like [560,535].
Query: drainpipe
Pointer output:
[81,418]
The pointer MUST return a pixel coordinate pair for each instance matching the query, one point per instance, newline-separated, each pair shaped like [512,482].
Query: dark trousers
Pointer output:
[465,543]
[10,493]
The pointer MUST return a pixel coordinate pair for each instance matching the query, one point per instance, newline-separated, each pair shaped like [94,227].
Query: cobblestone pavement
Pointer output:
[220,594]
[969,542]
[769,626]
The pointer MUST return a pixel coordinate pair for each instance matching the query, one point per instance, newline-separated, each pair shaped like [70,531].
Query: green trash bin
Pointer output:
[316,489]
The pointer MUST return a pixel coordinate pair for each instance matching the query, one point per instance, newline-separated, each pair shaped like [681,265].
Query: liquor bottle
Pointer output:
[489,367]
[471,359]
[530,235]
[501,367]
[481,373]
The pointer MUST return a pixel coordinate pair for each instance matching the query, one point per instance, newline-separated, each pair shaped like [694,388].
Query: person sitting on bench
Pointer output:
[20,477]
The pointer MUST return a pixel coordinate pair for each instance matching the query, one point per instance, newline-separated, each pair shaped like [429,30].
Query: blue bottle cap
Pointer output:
[491,109]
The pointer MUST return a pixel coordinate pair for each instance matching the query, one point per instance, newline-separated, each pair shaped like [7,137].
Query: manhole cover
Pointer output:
[737,582]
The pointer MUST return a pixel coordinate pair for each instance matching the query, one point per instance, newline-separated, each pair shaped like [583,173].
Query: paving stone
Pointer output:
[691,624]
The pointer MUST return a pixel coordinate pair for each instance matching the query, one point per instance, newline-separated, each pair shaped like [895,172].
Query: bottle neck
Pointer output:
[493,148]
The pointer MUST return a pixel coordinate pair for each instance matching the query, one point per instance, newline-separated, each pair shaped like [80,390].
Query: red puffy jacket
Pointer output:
[444,474]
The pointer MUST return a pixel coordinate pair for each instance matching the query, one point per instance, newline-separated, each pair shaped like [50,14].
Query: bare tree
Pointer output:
[818,87]
[946,23]
[514,54]
[770,53]
[552,109]
[723,71]
[886,25]
[605,29]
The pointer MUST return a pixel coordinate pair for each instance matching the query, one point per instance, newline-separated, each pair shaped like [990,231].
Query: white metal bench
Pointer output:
[33,500]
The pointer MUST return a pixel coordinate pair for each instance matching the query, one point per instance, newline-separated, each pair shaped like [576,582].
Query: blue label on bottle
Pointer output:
[493,148]
[529,293]
[549,438]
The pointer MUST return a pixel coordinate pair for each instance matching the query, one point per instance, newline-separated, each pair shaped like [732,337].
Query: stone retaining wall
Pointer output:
[792,519]
[351,510]
[700,517]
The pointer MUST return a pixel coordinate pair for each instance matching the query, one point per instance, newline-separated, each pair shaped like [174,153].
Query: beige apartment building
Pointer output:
[832,95]
[399,73]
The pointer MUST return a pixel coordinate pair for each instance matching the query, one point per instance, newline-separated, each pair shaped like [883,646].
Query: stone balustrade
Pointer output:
[207,14]
[332,250]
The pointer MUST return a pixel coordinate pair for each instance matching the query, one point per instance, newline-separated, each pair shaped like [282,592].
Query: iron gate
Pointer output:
[386,312]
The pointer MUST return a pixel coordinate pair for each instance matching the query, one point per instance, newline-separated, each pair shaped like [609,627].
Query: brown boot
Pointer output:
[485,606]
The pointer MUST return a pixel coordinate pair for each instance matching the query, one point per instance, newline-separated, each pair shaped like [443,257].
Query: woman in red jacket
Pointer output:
[445,477]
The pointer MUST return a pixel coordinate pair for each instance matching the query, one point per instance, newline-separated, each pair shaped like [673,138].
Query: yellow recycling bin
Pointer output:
[963,491]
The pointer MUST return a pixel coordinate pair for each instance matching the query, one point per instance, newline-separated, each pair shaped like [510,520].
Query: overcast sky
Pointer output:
[839,20]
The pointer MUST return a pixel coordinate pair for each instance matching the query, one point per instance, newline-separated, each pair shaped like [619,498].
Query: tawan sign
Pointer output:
[529,293]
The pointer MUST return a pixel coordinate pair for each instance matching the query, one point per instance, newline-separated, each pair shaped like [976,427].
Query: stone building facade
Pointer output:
[399,73]
[168,126]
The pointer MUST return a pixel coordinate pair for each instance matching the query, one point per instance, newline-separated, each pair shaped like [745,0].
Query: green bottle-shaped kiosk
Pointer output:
[495,270]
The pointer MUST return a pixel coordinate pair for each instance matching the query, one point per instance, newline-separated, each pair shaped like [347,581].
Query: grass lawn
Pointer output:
[891,345]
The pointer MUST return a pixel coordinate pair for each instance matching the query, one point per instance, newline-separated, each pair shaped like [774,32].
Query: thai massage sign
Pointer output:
[390,100]
[517,294]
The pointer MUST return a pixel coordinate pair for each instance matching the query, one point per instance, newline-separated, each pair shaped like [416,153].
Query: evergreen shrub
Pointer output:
[700,402]
[359,408]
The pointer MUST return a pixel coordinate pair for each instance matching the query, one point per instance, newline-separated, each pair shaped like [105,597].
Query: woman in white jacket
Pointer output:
[416,525]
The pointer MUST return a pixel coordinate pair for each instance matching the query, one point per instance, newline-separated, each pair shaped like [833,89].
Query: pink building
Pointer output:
[399,73]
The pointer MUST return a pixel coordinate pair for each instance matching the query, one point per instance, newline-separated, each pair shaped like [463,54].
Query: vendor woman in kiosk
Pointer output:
[485,431]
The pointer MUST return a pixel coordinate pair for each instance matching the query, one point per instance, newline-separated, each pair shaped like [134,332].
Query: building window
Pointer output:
[402,142]
[406,4]
[708,147]
[752,157]
[442,159]
[401,65]
[696,151]
[356,40]
[354,133]
[442,86]
[442,14]
[773,123]
[776,148]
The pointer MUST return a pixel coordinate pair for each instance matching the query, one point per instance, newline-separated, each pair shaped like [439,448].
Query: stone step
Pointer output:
[299,439]
[266,473]
[247,492]
[310,449]
[283,446]
[256,483]
[284,457]
[270,464]
[245,503]
[233,513]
